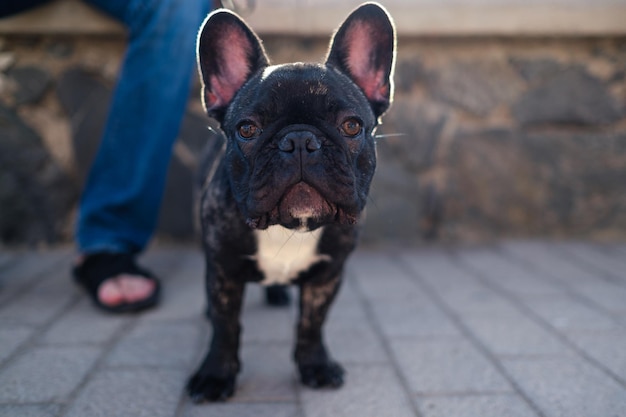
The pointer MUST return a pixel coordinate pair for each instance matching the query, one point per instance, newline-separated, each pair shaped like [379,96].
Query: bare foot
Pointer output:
[125,289]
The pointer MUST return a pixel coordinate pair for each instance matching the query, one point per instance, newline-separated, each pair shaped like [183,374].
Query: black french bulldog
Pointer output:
[284,203]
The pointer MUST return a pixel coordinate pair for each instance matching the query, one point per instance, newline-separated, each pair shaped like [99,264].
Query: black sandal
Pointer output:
[99,267]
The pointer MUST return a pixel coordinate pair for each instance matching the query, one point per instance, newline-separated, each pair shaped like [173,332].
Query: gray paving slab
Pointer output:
[30,268]
[496,405]
[547,259]
[369,391]
[130,393]
[262,323]
[516,329]
[605,295]
[354,341]
[565,313]
[616,249]
[514,335]
[606,347]
[239,410]
[12,338]
[268,375]
[7,258]
[166,259]
[517,280]
[83,324]
[160,344]
[462,292]
[447,366]
[568,387]
[35,410]
[596,260]
[47,374]
[380,279]
[41,303]
[183,295]
[409,319]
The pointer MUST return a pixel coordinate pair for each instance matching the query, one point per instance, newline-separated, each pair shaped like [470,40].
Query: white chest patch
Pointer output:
[284,253]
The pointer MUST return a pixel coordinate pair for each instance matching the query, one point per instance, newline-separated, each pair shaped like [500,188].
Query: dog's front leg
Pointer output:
[215,379]
[316,367]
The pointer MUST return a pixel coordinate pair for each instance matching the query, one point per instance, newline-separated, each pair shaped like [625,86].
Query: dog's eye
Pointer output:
[351,127]
[248,130]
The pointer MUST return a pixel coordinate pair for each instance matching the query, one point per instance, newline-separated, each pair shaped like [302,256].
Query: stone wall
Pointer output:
[487,138]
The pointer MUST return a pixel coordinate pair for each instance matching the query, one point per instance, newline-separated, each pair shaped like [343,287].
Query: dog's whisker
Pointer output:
[291,235]
[373,203]
[389,135]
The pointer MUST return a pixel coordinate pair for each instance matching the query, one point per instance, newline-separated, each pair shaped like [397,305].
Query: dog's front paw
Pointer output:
[203,388]
[326,375]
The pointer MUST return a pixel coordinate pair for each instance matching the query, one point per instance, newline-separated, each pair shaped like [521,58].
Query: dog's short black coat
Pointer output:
[284,202]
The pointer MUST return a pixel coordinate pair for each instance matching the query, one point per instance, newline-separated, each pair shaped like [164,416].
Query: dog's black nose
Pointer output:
[299,141]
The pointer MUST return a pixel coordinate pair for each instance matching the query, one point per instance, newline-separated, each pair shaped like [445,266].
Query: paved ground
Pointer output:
[519,329]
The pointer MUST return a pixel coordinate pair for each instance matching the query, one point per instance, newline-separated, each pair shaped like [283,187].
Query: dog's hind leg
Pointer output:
[277,295]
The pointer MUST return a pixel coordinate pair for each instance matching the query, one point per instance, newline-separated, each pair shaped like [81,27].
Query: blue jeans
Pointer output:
[120,202]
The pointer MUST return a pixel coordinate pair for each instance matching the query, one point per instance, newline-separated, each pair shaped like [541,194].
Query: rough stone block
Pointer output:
[32,83]
[536,69]
[572,96]
[35,194]
[476,86]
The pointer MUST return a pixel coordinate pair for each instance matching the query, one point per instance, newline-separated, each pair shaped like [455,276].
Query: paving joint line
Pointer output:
[38,278]
[575,294]
[540,321]
[98,364]
[607,276]
[465,331]
[38,331]
[371,316]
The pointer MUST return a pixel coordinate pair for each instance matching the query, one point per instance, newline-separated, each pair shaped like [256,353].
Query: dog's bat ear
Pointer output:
[364,48]
[229,53]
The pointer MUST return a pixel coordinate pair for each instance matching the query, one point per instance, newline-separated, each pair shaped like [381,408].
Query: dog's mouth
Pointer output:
[303,207]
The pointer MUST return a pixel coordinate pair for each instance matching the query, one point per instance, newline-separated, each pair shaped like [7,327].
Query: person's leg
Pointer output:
[120,202]
[11,7]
